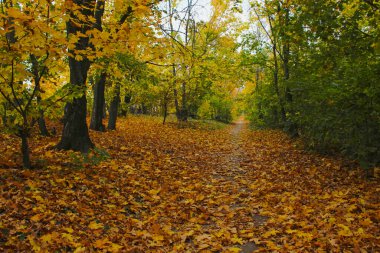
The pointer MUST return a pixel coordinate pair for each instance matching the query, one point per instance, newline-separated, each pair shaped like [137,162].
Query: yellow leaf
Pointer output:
[70,230]
[271,245]
[38,198]
[234,249]
[46,238]
[256,241]
[200,197]
[32,185]
[80,250]
[154,192]
[236,239]
[36,217]
[360,231]
[78,57]
[49,154]
[35,246]
[203,237]
[366,222]
[68,237]
[270,233]
[101,243]
[345,230]
[291,231]
[95,225]
[115,247]
[306,236]
[158,237]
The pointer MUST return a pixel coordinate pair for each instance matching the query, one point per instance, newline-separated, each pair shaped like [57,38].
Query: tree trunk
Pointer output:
[75,131]
[113,109]
[165,108]
[286,56]
[184,111]
[25,151]
[42,125]
[75,134]
[41,121]
[98,106]
[257,90]
[104,115]
[176,103]
[275,83]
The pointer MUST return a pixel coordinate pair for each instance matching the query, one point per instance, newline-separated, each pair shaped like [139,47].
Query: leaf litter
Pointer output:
[187,189]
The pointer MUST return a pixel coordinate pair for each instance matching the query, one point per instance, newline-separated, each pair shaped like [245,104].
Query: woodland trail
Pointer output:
[191,189]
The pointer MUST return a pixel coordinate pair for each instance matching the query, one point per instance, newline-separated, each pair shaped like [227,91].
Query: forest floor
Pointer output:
[194,188]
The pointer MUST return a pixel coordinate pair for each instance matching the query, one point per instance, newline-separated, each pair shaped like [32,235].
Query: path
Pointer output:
[234,161]
[230,165]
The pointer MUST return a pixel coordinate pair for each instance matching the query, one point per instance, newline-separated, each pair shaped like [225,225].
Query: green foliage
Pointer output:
[334,78]
[216,107]
[205,110]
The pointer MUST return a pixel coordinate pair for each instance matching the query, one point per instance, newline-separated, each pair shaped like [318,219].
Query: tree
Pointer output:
[75,134]
[28,50]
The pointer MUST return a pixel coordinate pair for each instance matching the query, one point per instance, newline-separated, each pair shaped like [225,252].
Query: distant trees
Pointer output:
[197,58]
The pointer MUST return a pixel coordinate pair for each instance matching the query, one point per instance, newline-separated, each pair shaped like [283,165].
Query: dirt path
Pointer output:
[236,173]
[230,164]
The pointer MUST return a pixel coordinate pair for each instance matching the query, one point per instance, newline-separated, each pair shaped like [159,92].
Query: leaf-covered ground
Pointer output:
[191,189]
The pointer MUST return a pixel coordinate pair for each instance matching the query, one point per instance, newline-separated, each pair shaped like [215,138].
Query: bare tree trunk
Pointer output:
[98,106]
[75,134]
[286,57]
[184,111]
[165,107]
[114,109]
[25,150]
[275,83]
[175,93]
[41,121]
[257,90]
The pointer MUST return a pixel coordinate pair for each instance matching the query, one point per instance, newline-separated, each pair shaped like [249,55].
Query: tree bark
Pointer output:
[257,90]
[275,83]
[25,151]
[113,109]
[165,108]
[42,126]
[98,106]
[176,104]
[41,122]
[75,134]
[184,111]
[286,56]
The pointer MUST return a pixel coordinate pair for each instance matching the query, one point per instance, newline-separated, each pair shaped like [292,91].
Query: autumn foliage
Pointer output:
[177,178]
[195,188]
